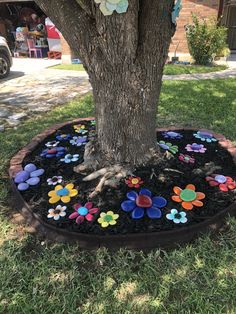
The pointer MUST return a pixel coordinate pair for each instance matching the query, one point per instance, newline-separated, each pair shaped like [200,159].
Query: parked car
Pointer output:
[5,58]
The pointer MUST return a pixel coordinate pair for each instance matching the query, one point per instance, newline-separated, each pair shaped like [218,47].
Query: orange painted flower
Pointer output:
[188,197]
[134,182]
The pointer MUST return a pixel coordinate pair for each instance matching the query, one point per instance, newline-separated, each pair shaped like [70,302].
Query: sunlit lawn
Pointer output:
[170,69]
[37,277]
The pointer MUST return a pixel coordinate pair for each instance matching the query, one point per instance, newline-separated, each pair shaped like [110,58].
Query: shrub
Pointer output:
[205,40]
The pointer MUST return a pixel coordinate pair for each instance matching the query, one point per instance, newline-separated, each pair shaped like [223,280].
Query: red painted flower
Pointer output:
[83,212]
[134,182]
[224,183]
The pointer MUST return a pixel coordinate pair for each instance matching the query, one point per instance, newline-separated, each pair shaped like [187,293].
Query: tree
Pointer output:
[124,55]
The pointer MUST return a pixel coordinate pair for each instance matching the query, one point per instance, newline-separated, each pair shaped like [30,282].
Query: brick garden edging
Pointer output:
[163,239]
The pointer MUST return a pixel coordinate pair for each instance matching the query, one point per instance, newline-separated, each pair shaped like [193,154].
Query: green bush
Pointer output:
[205,40]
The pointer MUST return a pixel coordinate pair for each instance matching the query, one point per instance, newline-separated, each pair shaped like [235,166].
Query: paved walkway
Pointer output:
[33,88]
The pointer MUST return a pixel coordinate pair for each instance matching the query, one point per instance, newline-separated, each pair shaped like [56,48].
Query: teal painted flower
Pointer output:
[205,136]
[176,10]
[177,217]
[107,7]
[169,147]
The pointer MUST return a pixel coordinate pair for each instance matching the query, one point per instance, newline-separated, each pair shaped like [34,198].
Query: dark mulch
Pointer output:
[169,173]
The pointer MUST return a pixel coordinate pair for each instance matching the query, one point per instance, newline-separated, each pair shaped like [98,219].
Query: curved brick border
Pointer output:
[164,239]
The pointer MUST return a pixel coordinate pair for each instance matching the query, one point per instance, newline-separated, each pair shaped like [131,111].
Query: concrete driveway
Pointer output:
[34,88]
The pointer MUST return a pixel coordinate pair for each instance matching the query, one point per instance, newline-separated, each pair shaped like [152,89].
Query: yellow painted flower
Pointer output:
[107,219]
[61,193]
[79,126]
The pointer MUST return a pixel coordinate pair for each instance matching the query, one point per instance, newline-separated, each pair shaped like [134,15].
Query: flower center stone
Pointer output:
[220,179]
[108,218]
[63,192]
[52,151]
[57,211]
[143,201]
[205,135]
[134,181]
[196,146]
[83,211]
[172,134]
[188,195]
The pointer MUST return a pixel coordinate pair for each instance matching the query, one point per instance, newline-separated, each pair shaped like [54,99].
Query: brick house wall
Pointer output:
[202,8]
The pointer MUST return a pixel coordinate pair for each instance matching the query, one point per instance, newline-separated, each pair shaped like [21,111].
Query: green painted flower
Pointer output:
[109,6]
[169,147]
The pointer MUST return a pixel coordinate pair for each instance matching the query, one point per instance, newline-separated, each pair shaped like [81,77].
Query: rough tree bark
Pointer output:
[124,55]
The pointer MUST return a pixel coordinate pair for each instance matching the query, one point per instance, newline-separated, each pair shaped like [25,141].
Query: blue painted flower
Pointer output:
[79,141]
[53,152]
[70,158]
[172,135]
[138,203]
[205,136]
[63,137]
[177,217]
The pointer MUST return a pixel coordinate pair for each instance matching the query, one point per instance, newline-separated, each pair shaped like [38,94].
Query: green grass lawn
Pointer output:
[170,69]
[38,277]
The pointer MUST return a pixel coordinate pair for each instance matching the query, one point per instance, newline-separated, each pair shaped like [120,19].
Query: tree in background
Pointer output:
[123,45]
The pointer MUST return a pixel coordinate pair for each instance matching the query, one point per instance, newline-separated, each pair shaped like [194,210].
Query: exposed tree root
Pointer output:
[110,176]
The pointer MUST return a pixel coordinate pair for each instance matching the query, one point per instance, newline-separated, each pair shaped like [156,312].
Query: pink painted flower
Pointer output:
[224,183]
[83,212]
[196,148]
[187,159]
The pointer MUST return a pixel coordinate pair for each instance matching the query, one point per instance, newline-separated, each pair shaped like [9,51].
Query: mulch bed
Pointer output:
[160,180]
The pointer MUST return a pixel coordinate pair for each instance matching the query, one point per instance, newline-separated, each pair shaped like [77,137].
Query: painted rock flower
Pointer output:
[176,11]
[28,177]
[187,159]
[63,194]
[172,135]
[188,197]
[80,128]
[79,141]
[168,146]
[54,180]
[107,219]
[205,136]
[63,137]
[134,182]
[57,213]
[224,183]
[107,7]
[52,144]
[177,217]
[139,203]
[196,148]
[70,158]
[53,152]
[82,213]
[93,122]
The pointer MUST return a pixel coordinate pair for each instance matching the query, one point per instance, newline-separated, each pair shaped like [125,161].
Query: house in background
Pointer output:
[223,9]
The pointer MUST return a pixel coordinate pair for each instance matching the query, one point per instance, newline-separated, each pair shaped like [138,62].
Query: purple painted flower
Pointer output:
[172,135]
[196,148]
[28,177]
[53,152]
[138,203]
[79,141]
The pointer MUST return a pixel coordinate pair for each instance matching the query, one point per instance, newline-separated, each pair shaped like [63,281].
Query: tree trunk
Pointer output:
[124,55]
